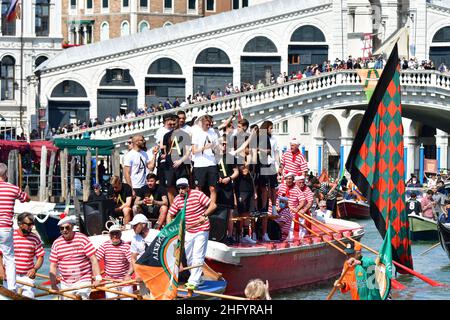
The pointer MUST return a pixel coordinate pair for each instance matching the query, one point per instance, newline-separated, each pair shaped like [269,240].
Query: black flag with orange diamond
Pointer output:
[376,161]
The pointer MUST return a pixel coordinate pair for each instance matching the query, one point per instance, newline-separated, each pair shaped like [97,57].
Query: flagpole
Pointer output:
[21,68]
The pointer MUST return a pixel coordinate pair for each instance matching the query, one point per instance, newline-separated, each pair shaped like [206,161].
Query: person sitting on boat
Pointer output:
[439,201]
[427,204]
[8,194]
[322,214]
[74,256]
[296,202]
[300,183]
[256,289]
[116,255]
[27,247]
[445,217]
[348,194]
[356,278]
[283,217]
[413,205]
[97,194]
[140,241]
[198,208]
[122,194]
[152,199]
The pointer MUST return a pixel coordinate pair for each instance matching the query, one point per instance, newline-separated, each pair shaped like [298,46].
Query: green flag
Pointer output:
[383,270]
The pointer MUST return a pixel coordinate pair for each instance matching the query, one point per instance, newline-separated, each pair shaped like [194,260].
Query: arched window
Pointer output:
[143,26]
[165,66]
[212,56]
[39,60]
[308,34]
[69,88]
[125,29]
[42,17]
[104,35]
[7,77]
[167,24]
[443,35]
[260,44]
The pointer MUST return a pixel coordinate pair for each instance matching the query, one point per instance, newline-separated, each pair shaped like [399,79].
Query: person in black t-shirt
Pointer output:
[97,194]
[151,200]
[122,194]
[176,146]
[413,205]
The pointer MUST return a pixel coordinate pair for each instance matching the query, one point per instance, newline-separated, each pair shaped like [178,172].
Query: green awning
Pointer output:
[81,146]
[80,21]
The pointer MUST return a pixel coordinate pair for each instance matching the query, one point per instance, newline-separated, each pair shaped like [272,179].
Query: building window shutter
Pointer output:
[126,75]
[108,75]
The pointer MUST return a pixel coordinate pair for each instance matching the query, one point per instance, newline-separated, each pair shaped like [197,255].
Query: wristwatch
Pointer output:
[98,278]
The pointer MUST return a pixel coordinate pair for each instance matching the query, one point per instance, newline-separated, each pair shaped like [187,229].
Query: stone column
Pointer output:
[83,28]
[133,5]
[55,27]
[442,149]
[77,34]
[410,143]
[316,160]
[346,145]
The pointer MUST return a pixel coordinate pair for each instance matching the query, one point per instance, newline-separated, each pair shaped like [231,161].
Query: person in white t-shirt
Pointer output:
[204,143]
[323,214]
[136,164]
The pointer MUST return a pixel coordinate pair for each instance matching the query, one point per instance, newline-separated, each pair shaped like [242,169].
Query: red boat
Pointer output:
[353,209]
[285,264]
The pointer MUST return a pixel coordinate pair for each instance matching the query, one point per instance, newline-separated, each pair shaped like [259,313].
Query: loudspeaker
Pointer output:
[96,213]
[218,224]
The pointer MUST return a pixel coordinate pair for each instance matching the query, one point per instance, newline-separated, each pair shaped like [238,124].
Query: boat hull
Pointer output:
[423,229]
[351,209]
[444,237]
[285,265]
[48,230]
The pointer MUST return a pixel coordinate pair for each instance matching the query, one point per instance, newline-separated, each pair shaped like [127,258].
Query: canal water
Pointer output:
[435,265]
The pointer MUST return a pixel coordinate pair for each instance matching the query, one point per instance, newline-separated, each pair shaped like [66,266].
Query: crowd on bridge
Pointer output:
[280,79]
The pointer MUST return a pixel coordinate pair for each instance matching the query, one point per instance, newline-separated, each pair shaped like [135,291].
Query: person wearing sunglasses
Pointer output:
[8,193]
[27,247]
[74,256]
[198,208]
[116,256]
[322,214]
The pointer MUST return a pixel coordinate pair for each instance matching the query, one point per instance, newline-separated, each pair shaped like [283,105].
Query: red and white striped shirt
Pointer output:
[8,195]
[26,247]
[196,205]
[293,193]
[73,258]
[307,193]
[284,222]
[117,258]
[295,163]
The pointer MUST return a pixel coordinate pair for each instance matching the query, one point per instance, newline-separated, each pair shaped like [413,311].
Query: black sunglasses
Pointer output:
[183,187]
[28,224]
[62,228]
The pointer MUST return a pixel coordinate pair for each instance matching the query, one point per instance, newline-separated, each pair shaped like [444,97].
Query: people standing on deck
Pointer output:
[122,195]
[8,195]
[116,256]
[204,148]
[198,208]
[73,255]
[27,247]
[136,165]
[427,204]
[152,201]
[293,161]
[413,205]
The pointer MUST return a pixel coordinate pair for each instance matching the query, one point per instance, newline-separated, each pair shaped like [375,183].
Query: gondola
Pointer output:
[421,228]
[444,236]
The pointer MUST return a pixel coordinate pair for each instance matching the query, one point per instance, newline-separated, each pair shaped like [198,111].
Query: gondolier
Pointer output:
[27,246]
[293,161]
[74,256]
[8,195]
[198,209]
[116,255]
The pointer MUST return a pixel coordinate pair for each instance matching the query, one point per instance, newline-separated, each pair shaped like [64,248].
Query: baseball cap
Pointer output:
[139,218]
[114,227]
[294,141]
[182,182]
[289,174]
[96,186]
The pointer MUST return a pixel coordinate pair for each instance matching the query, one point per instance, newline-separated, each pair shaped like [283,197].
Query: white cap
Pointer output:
[139,218]
[294,141]
[298,178]
[114,227]
[289,174]
[182,182]
[68,219]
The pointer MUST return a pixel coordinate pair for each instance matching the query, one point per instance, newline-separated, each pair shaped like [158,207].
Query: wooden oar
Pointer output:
[409,270]
[211,294]
[330,295]
[397,285]
[431,248]
[50,291]
[130,295]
